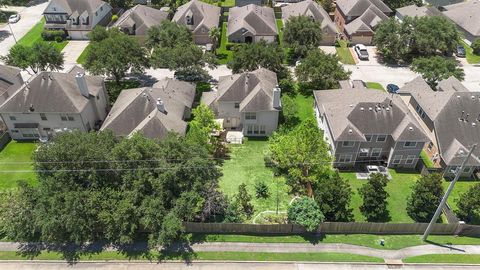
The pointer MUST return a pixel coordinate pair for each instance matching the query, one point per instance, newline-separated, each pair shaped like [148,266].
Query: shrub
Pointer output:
[233,46]
[114,18]
[261,190]
[53,35]
[305,212]
[476,46]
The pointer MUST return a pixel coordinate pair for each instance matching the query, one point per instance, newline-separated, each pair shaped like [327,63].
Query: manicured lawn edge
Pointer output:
[445,258]
[344,54]
[426,160]
[222,49]
[375,85]
[83,56]
[471,57]
[35,34]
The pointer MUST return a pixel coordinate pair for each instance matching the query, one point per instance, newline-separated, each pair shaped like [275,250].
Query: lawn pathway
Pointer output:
[72,51]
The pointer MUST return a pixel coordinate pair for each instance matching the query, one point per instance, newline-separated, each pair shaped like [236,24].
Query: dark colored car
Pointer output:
[460,52]
[392,88]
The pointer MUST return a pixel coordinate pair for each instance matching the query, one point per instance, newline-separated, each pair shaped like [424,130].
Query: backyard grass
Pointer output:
[375,85]
[445,258]
[228,3]
[246,165]
[426,160]
[224,55]
[460,188]
[35,35]
[21,154]
[280,31]
[471,57]
[200,88]
[344,54]
[83,56]
[392,242]
[304,106]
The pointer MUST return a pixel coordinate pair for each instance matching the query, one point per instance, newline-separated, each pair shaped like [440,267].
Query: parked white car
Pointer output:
[361,51]
[14,18]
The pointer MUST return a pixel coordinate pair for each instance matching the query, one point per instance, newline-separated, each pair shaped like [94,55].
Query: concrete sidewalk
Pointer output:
[72,51]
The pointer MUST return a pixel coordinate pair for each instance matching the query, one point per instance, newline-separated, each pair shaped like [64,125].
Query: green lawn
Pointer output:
[460,188]
[280,30]
[426,160]
[392,242]
[445,258]
[83,56]
[344,54]
[224,55]
[228,3]
[246,165]
[16,157]
[304,106]
[35,34]
[375,85]
[471,57]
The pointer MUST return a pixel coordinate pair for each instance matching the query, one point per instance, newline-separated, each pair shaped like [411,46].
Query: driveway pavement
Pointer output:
[72,51]
[30,16]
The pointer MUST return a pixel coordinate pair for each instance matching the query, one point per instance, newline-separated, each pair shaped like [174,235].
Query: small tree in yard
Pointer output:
[437,68]
[302,34]
[333,195]
[426,195]
[289,111]
[261,190]
[468,205]
[476,46]
[201,127]
[374,206]
[244,200]
[41,56]
[305,212]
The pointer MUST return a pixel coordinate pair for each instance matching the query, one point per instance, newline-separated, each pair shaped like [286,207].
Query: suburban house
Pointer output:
[199,17]
[152,111]
[77,17]
[247,102]
[241,3]
[365,126]
[357,19]
[466,16]
[137,20]
[450,116]
[251,23]
[316,12]
[416,11]
[53,102]
[10,81]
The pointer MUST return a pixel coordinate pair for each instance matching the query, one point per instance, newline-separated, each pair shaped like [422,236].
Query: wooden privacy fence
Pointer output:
[333,228]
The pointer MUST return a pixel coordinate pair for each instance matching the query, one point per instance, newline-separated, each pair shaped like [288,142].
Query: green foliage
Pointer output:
[389,42]
[214,34]
[114,89]
[287,85]
[426,195]
[333,195]
[374,206]
[305,211]
[394,4]
[234,213]
[120,3]
[302,34]
[320,71]
[469,204]
[244,200]
[193,73]
[40,57]
[181,56]
[328,5]
[261,190]
[437,68]
[289,111]
[98,34]
[116,55]
[202,126]
[426,159]
[114,17]
[476,47]
[302,155]
[168,34]
[267,55]
[53,35]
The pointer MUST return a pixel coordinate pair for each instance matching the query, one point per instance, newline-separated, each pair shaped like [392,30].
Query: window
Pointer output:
[63,117]
[70,118]
[348,144]
[237,105]
[397,159]
[96,13]
[376,152]
[368,138]
[343,158]
[47,129]
[430,146]
[189,20]
[101,8]
[12,118]
[409,144]
[255,129]
[467,169]
[250,116]
[410,159]
[381,138]
[14,131]
[43,117]
[364,152]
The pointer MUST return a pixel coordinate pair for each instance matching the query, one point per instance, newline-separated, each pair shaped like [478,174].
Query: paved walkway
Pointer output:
[72,51]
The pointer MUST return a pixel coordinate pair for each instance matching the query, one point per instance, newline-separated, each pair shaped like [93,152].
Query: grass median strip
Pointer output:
[445,258]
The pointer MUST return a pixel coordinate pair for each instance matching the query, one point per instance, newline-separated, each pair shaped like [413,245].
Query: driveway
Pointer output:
[72,51]
[30,16]
[381,74]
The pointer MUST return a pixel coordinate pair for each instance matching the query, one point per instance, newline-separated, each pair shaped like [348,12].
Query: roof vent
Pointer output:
[474,124]
[160,105]
[351,105]
[388,109]
[362,109]
[370,108]
[473,97]
[410,128]
[350,131]
[458,96]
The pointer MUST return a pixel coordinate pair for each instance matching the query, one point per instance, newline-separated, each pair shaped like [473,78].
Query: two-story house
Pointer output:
[316,12]
[465,16]
[10,81]
[247,102]
[357,19]
[365,126]
[450,115]
[137,20]
[77,17]
[54,102]
[251,23]
[152,111]
[199,17]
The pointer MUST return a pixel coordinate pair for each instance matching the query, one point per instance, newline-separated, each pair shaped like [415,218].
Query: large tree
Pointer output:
[42,56]
[333,194]
[389,42]
[302,34]
[437,68]
[374,206]
[181,56]
[394,4]
[168,34]
[305,211]
[249,57]
[320,71]
[116,55]
[468,204]
[201,127]
[425,198]
[302,154]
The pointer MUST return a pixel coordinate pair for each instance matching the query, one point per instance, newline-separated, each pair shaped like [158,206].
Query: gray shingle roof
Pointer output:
[52,92]
[257,20]
[135,110]
[313,9]
[10,79]
[143,18]
[358,7]
[353,113]
[80,7]
[416,11]
[367,21]
[466,15]
[253,90]
[204,15]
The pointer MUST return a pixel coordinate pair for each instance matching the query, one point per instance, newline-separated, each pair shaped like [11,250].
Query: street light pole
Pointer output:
[11,31]
[445,197]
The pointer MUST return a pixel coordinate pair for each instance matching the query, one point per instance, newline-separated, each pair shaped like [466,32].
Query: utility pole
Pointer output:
[445,197]
[11,31]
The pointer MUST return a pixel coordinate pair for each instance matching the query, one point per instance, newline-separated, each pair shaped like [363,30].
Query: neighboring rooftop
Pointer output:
[367,21]
[141,18]
[10,80]
[205,15]
[466,15]
[356,8]
[311,9]
[256,19]
[152,111]
[416,11]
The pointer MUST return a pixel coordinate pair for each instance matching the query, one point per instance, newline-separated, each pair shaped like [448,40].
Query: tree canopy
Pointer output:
[425,198]
[333,195]
[394,4]
[305,211]
[437,68]
[468,204]
[167,35]
[374,206]
[302,34]
[42,56]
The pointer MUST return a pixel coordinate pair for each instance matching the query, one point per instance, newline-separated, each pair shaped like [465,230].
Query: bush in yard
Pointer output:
[289,112]
[53,35]
[287,85]
[261,190]
[114,17]
[305,212]
[244,200]
[469,204]
[374,206]
[234,213]
[476,46]
[333,195]
[426,195]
